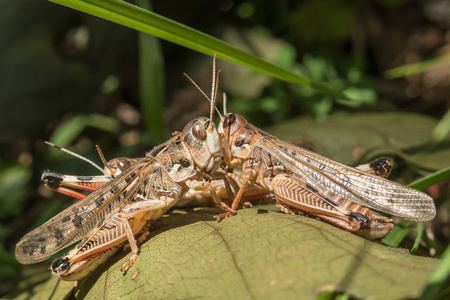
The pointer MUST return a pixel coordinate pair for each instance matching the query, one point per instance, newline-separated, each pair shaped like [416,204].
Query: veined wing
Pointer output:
[76,221]
[368,190]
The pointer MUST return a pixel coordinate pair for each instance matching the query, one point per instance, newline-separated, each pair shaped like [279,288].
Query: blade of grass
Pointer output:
[151,80]
[420,67]
[419,229]
[68,131]
[398,233]
[437,278]
[429,180]
[140,19]
[442,128]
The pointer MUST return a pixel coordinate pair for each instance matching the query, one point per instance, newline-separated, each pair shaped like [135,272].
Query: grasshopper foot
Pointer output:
[129,263]
[225,215]
[247,204]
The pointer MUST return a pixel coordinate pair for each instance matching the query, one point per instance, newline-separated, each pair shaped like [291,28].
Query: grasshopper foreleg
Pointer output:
[207,186]
[248,175]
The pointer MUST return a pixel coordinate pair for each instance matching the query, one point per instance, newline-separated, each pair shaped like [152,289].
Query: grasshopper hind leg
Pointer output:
[294,196]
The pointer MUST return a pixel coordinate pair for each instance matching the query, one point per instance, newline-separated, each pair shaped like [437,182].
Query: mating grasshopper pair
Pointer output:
[300,180]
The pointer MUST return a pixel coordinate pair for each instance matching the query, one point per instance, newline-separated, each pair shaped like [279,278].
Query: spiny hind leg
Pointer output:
[285,208]
[294,195]
[158,206]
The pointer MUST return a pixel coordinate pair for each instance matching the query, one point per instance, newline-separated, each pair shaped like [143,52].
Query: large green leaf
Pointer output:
[405,135]
[257,254]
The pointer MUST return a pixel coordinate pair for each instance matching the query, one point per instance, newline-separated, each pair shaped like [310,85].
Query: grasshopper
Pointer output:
[142,192]
[305,182]
[80,261]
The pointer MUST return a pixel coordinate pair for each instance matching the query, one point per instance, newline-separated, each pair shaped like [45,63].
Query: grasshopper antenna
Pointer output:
[75,155]
[213,103]
[224,97]
[214,88]
[203,93]
[214,92]
[100,153]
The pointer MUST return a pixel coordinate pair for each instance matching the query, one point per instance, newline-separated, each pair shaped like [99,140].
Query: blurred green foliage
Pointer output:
[74,79]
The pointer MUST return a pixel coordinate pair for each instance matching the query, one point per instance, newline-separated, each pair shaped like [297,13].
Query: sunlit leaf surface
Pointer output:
[259,253]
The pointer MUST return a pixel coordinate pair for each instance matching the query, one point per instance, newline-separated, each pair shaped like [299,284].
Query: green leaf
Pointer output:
[140,19]
[257,254]
[439,276]
[398,134]
[68,131]
[442,128]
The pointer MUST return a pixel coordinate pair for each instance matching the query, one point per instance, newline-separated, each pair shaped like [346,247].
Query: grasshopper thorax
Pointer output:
[202,140]
[231,124]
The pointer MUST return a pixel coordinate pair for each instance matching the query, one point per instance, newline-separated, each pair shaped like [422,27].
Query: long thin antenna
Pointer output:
[224,96]
[201,91]
[214,87]
[198,88]
[100,153]
[75,155]
[214,92]
[213,103]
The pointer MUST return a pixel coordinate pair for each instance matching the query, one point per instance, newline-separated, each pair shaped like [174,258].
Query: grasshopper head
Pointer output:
[231,125]
[202,140]
[118,165]
[237,134]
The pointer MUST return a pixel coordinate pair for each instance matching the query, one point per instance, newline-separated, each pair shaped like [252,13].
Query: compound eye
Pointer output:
[112,165]
[123,164]
[229,120]
[199,131]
